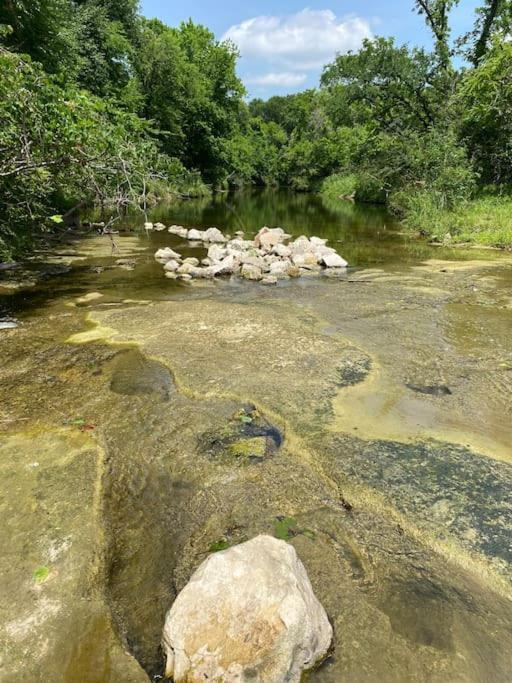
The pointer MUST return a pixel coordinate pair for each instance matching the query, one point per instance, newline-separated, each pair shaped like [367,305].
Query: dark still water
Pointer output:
[364,234]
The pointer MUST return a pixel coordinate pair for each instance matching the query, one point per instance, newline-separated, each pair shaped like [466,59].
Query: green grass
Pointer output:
[486,221]
[339,186]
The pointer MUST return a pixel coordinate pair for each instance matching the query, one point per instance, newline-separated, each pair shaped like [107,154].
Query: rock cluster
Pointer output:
[247,614]
[270,257]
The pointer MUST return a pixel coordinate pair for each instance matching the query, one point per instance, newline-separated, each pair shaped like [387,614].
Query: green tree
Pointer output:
[485,106]
[394,87]
[41,29]
[192,92]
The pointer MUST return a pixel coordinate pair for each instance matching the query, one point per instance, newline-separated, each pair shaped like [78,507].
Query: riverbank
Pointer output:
[485,221]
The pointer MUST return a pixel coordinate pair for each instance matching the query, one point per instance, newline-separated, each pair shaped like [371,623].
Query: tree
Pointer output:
[436,13]
[40,28]
[62,145]
[388,86]
[485,105]
[493,16]
[192,92]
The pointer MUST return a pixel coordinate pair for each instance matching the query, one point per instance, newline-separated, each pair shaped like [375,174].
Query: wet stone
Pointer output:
[134,374]
[248,438]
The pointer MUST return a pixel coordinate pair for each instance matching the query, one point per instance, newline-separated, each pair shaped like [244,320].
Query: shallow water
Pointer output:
[379,447]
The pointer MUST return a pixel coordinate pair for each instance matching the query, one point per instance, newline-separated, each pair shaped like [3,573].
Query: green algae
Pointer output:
[255,447]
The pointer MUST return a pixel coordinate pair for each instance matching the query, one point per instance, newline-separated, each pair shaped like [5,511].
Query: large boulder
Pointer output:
[247,614]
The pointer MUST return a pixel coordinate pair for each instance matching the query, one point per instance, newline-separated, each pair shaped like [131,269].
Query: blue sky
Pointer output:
[284,44]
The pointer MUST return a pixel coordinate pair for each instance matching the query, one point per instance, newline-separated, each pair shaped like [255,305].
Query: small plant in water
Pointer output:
[217,546]
[286,528]
[41,574]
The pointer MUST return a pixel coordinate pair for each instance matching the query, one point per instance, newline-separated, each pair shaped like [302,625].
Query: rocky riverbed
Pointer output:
[269,257]
[363,420]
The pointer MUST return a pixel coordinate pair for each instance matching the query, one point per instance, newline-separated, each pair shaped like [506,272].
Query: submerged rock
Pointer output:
[87,298]
[247,614]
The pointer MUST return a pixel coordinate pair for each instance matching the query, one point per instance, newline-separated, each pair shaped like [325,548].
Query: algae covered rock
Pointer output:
[247,614]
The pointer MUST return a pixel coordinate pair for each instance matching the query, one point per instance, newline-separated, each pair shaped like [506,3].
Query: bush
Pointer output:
[60,145]
[339,186]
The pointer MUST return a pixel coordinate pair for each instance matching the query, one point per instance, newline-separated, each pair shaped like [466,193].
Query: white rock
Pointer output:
[305,259]
[203,273]
[247,614]
[214,235]
[186,277]
[267,238]
[159,227]
[301,245]
[228,265]
[253,259]
[241,245]
[186,269]
[279,268]
[167,254]
[171,266]
[206,262]
[194,234]
[178,230]
[269,280]
[192,260]
[282,250]
[317,241]
[251,272]
[334,261]
[148,226]
[216,253]
[8,325]
[171,276]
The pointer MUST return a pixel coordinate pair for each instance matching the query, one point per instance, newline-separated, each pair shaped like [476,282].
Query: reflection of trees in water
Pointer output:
[365,234]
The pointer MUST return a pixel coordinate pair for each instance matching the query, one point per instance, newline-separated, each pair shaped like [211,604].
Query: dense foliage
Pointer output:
[99,104]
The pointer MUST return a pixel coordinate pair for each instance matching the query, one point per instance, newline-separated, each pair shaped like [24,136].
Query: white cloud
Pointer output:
[284,79]
[306,40]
